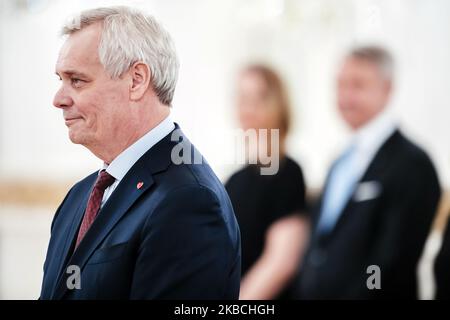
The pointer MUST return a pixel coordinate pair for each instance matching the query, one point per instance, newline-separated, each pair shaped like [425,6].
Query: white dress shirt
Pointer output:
[369,139]
[119,167]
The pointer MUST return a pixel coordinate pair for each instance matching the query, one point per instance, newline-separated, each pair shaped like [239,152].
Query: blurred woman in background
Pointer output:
[270,209]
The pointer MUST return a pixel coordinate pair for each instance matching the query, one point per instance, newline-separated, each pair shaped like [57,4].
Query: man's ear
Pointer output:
[140,76]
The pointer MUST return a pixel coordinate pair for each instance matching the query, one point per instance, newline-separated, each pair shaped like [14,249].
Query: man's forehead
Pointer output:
[79,50]
[359,63]
[353,66]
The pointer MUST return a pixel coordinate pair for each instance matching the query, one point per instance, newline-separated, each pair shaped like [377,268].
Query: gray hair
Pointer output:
[129,36]
[380,57]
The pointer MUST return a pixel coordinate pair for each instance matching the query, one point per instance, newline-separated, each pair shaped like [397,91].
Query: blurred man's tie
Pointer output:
[104,180]
[340,187]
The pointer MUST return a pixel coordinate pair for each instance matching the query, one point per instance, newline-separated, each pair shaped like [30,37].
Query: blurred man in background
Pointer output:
[379,199]
[142,227]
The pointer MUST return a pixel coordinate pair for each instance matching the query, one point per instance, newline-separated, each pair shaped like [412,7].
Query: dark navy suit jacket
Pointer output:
[176,237]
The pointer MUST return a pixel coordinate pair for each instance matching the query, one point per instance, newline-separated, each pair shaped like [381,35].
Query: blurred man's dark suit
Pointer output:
[387,229]
[168,231]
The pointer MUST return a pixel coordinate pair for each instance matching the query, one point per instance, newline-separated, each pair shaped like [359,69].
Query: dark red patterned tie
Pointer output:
[104,180]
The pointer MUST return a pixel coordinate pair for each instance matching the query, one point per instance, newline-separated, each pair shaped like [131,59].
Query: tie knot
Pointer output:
[104,180]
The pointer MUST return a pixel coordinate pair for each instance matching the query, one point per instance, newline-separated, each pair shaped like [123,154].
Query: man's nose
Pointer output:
[62,99]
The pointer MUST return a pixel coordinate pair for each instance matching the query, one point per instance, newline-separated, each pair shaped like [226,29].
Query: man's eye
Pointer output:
[76,82]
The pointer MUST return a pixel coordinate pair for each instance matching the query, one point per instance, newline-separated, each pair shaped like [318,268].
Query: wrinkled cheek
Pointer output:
[94,127]
[108,126]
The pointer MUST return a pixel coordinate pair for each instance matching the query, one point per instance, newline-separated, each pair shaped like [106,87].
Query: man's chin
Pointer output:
[75,138]
[351,120]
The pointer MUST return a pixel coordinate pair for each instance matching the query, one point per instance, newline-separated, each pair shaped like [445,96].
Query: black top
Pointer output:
[259,200]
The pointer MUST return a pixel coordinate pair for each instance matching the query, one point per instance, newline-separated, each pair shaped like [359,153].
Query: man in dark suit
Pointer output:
[380,197]
[154,222]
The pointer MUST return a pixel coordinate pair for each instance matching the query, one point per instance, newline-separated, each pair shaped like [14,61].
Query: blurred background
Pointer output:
[303,39]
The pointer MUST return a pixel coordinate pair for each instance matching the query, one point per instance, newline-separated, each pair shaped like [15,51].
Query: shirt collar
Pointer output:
[119,167]
[371,136]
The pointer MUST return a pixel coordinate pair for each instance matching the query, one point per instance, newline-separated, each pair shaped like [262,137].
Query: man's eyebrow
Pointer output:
[72,73]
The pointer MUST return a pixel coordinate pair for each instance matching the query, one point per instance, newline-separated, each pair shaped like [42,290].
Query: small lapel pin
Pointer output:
[139,185]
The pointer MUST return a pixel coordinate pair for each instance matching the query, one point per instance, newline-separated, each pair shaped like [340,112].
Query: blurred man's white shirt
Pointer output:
[368,139]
